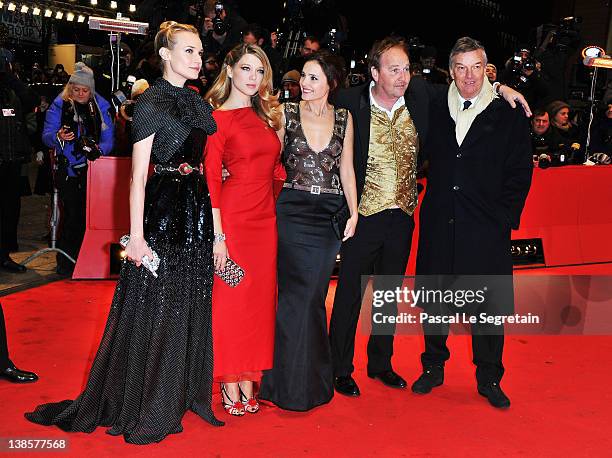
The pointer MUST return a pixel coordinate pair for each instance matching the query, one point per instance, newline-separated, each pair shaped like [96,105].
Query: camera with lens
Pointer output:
[566,34]
[86,146]
[219,25]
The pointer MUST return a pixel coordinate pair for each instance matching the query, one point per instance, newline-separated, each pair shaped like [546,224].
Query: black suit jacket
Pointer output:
[418,97]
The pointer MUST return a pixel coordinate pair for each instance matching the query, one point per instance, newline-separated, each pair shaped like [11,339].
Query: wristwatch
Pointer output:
[496,86]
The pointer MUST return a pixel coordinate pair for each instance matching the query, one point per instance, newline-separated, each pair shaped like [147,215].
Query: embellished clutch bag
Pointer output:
[151,264]
[232,274]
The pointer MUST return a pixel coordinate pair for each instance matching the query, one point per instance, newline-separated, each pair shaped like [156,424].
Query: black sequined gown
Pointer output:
[155,360]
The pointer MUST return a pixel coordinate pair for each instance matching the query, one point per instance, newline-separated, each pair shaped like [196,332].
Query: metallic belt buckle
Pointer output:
[315,189]
[185,168]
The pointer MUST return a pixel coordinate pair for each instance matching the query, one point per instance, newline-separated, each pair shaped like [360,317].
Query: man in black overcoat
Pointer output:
[480,167]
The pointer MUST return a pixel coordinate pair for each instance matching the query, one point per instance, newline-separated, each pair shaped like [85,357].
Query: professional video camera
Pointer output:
[219,25]
[563,36]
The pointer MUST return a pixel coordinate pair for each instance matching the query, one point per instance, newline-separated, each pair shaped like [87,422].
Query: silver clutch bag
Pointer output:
[232,274]
[151,264]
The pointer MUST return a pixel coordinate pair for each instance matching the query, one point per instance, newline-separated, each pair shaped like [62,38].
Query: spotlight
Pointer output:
[70,17]
[94,2]
[81,18]
[59,15]
[1,4]
[593,51]
[24,9]
[11,6]
[36,11]
[113,5]
[132,8]
[48,13]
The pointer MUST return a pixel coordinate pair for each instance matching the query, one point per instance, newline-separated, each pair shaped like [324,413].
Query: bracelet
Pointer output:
[219,237]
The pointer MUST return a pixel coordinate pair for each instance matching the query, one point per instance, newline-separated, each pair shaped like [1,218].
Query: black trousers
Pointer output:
[10,206]
[381,245]
[4,355]
[487,349]
[73,197]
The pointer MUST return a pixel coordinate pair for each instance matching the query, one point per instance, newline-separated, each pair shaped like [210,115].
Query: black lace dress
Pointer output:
[155,360]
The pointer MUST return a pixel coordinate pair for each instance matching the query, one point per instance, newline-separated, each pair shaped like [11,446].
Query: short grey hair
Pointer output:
[466,44]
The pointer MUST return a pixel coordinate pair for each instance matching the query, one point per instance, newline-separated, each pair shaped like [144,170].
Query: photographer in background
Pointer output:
[431,72]
[541,138]
[79,127]
[601,132]
[554,53]
[522,73]
[491,72]
[222,27]
[565,136]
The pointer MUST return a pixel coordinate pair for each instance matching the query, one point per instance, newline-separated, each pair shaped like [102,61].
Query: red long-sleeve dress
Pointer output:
[244,316]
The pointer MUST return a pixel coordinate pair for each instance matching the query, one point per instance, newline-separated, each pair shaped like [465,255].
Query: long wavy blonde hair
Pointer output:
[265,102]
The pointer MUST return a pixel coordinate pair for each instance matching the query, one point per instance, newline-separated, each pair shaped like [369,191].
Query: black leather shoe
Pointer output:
[390,379]
[12,374]
[11,266]
[431,377]
[493,392]
[346,385]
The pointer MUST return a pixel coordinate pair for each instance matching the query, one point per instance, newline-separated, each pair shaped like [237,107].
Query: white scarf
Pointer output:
[464,118]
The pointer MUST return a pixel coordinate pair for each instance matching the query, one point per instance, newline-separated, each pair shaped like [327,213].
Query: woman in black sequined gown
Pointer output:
[155,360]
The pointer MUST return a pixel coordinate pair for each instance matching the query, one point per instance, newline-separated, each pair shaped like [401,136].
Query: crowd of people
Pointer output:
[205,114]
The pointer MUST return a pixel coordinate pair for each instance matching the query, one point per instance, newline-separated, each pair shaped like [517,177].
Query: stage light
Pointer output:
[593,51]
[81,18]
[59,15]
[36,11]
[132,8]
[113,5]
[70,17]
[48,13]
[11,6]
[24,9]
[94,2]
[1,4]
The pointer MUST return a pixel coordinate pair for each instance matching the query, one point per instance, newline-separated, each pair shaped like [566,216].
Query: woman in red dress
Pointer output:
[244,219]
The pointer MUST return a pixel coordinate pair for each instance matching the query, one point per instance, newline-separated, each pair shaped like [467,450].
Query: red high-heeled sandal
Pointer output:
[251,405]
[235,408]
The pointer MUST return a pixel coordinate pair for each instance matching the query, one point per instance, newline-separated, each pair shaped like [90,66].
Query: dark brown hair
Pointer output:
[332,66]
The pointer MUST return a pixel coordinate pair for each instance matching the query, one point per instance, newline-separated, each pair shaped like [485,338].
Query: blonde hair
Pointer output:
[265,103]
[166,36]
[67,92]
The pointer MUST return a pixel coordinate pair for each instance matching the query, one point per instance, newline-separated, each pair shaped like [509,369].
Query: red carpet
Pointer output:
[558,386]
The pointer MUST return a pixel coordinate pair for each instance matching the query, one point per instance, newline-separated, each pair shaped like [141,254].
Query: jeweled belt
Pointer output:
[313,189]
[183,169]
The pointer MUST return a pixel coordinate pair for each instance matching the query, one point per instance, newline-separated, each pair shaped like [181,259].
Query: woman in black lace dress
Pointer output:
[318,157]
[155,360]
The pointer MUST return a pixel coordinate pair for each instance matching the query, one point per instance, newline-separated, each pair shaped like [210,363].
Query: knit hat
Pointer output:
[83,76]
[554,107]
[292,75]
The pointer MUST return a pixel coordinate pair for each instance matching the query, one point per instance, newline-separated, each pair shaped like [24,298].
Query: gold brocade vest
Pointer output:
[392,161]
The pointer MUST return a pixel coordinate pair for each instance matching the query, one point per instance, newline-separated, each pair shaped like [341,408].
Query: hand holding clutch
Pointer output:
[151,264]
[232,274]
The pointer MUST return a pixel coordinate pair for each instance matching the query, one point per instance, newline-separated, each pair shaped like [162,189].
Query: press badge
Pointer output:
[6,112]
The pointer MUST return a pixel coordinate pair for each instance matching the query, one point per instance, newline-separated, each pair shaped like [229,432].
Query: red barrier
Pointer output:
[569,208]
[108,215]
